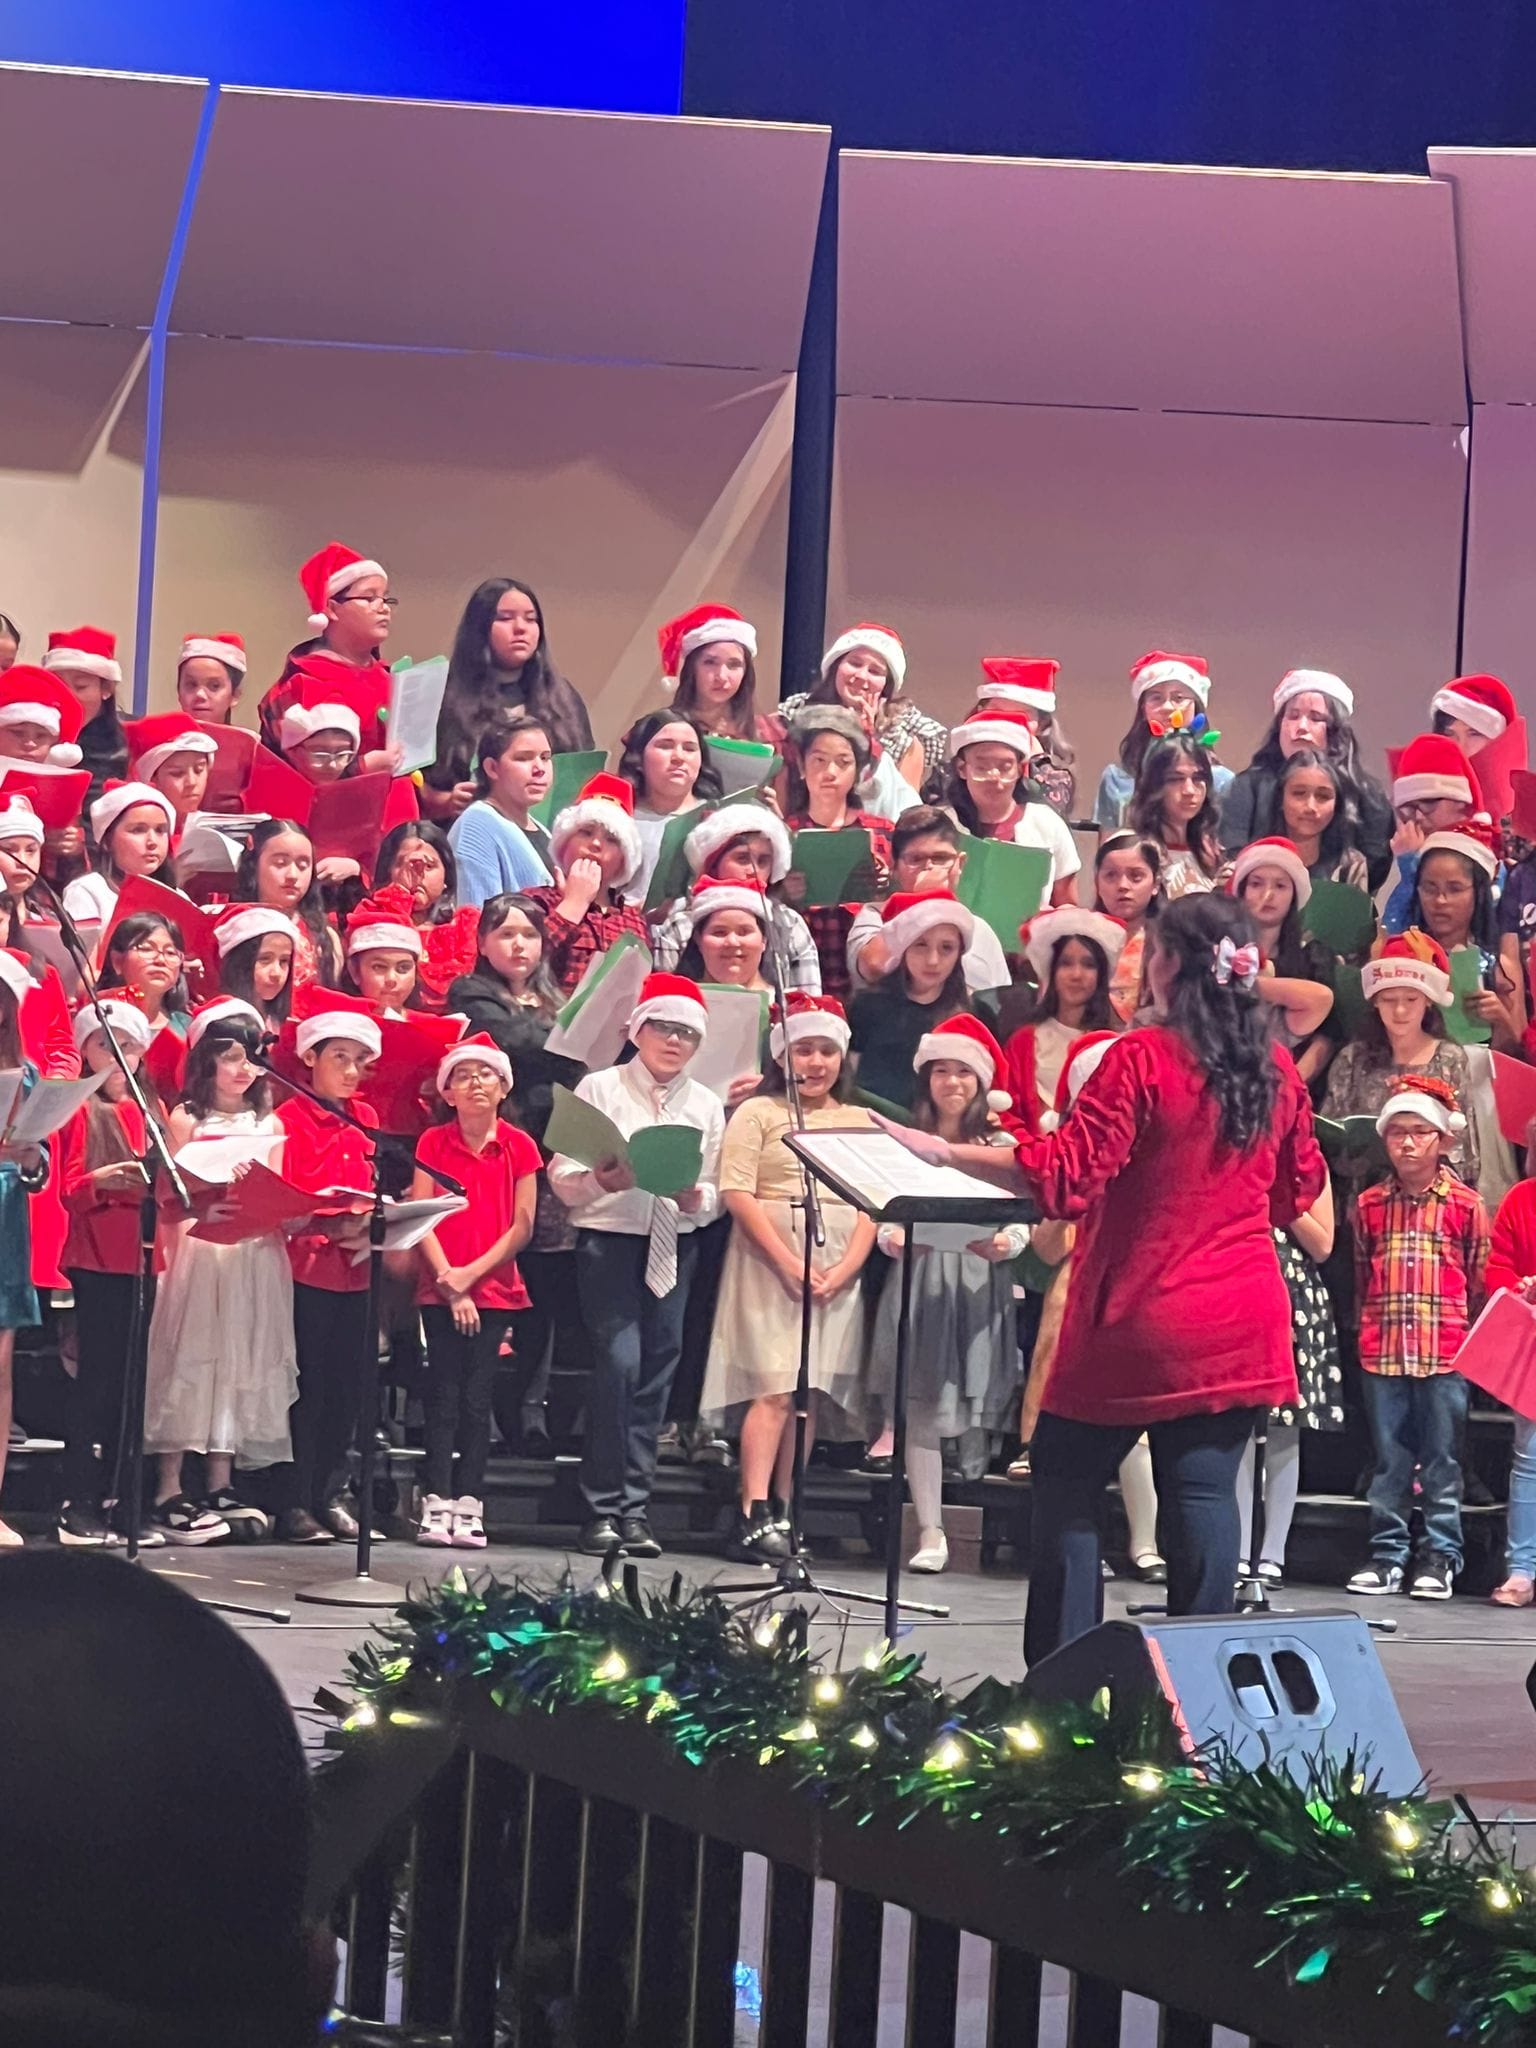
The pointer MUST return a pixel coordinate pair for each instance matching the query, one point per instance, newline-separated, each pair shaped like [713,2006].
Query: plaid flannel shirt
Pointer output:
[1419,1263]
[572,946]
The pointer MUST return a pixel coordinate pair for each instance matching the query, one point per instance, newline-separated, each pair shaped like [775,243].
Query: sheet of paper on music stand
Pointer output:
[214,1160]
[881,1168]
[47,1109]
[732,1044]
[44,945]
[415,699]
[407,1223]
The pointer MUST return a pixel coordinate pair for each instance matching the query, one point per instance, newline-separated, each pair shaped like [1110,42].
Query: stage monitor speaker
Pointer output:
[1290,1687]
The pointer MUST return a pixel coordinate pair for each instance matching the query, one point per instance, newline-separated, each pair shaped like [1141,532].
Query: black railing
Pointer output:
[566,1881]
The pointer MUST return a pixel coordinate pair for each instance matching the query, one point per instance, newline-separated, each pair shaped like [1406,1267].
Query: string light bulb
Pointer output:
[864,1737]
[1499,1896]
[1403,1832]
[1025,1738]
[947,1755]
[828,1690]
[612,1671]
[876,1655]
[362,1716]
[1143,1778]
[766,1632]
[804,1731]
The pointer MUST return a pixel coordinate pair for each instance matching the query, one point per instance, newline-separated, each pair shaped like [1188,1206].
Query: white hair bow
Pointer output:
[1236,963]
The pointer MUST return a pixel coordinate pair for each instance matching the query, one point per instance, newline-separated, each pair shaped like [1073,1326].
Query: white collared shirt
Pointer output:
[634,1101]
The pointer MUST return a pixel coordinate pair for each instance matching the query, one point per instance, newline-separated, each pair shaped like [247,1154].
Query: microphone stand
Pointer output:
[156,1155]
[794,1575]
[363,1589]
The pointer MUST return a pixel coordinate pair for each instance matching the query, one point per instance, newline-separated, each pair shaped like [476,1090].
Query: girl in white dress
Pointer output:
[222,1372]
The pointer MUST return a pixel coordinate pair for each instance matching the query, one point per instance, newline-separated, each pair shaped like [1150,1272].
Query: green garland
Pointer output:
[1334,1867]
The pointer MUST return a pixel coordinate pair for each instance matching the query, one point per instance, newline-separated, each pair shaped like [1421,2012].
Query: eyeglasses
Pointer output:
[146,951]
[684,1033]
[385,603]
[975,774]
[1443,892]
[326,757]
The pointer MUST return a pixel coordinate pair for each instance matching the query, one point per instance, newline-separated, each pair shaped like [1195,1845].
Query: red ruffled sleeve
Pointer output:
[1069,1170]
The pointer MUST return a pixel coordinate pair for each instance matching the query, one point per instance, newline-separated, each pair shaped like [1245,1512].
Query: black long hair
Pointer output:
[430,835]
[493,915]
[203,1060]
[10,1026]
[976,1120]
[645,728]
[1099,1013]
[1340,748]
[471,697]
[1484,928]
[958,798]
[310,908]
[1342,830]
[1227,1028]
[740,713]
[237,977]
[138,926]
[1145,811]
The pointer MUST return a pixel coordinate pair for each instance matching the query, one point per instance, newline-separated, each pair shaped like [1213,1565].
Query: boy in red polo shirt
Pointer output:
[470,1288]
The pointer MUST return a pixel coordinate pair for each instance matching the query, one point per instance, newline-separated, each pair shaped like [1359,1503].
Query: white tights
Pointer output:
[1138,1496]
[1282,1482]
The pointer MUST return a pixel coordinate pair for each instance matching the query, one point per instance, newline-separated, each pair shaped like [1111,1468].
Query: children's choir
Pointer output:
[910,906]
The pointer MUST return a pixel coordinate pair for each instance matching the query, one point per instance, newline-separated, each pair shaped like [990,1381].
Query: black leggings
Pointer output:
[551,1352]
[93,1400]
[1194,1462]
[328,1333]
[461,1371]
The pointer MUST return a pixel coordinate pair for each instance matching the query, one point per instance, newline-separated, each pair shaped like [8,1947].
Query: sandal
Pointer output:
[1018,1471]
[1518,1590]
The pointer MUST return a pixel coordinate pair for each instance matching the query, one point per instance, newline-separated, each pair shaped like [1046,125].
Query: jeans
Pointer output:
[1194,1462]
[1521,1539]
[460,1373]
[637,1339]
[1415,1423]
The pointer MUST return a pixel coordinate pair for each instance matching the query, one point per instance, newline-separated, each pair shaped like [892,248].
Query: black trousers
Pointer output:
[550,1350]
[93,1401]
[329,1331]
[461,1370]
[699,1320]
[637,1339]
[1195,1462]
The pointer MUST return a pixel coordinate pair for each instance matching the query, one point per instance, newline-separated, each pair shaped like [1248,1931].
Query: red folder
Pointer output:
[345,819]
[1496,765]
[195,926]
[257,1203]
[230,768]
[1522,806]
[57,799]
[1499,1354]
[400,1084]
[1514,1096]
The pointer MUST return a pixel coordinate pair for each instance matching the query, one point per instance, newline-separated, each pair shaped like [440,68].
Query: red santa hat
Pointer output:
[221,1010]
[321,1013]
[1188,671]
[735,821]
[18,820]
[117,797]
[324,704]
[88,648]
[226,647]
[327,574]
[1000,724]
[1080,1066]
[906,916]
[669,999]
[16,973]
[130,1027]
[967,1040]
[808,1016]
[702,627]
[383,919]
[608,803]
[1473,840]
[242,921]
[1026,680]
[881,640]
[710,894]
[31,696]
[1272,853]
[1040,935]
[481,1047]
[1482,702]
[1410,960]
[1426,1096]
[1432,767]
[152,741]
[1314,682]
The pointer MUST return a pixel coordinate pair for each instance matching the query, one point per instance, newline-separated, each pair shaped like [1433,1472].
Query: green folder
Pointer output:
[742,765]
[1349,1004]
[838,867]
[1466,980]
[1339,917]
[1351,1143]
[671,877]
[571,771]
[597,974]
[664,1158]
[1004,884]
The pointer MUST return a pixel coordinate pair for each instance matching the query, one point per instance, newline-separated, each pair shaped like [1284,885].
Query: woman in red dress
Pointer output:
[1190,1141]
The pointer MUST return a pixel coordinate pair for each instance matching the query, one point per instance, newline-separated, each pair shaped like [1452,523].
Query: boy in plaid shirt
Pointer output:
[1421,1245]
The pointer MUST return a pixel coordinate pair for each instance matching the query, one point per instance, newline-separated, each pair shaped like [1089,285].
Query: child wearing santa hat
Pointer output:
[992,793]
[1434,789]
[1027,683]
[1473,711]
[227,1401]
[926,939]
[707,665]
[634,1258]
[469,1287]
[744,843]
[256,945]
[1270,879]
[23,1170]
[350,612]
[964,1344]
[1421,1244]
[210,669]
[1072,954]
[173,754]
[597,849]
[754,1354]
[1311,718]
[383,949]
[864,670]
[132,824]
[1165,689]
[84,659]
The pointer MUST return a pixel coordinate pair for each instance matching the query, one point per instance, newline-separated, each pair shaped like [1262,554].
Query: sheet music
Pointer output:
[882,1168]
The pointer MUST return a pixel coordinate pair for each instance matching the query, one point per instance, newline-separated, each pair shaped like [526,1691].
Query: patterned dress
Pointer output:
[1315,1341]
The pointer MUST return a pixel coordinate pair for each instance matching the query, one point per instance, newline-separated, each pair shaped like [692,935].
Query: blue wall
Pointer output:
[622,56]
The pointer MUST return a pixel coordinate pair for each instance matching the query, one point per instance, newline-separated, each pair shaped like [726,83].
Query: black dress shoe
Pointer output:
[599,1537]
[635,1535]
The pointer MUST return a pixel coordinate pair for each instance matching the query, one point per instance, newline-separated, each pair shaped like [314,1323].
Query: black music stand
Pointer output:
[935,1194]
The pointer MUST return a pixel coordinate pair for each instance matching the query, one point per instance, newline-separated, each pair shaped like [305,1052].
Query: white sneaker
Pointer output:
[436,1527]
[10,1539]
[468,1527]
[931,1554]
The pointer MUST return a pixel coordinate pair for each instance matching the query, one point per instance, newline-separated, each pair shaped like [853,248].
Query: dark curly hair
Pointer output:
[1227,1028]
[1145,811]
[645,728]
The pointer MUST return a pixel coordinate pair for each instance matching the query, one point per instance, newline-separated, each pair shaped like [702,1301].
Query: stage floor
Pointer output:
[1457,1668]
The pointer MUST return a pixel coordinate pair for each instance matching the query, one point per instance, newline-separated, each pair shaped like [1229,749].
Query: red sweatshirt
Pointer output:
[319,1152]
[103,1228]
[1512,1247]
